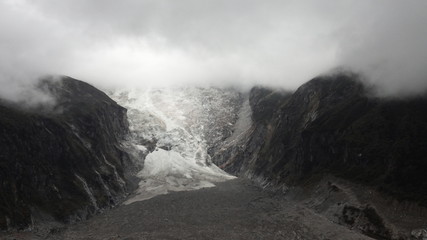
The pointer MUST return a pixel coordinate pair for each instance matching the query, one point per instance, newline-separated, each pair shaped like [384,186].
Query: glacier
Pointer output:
[180,125]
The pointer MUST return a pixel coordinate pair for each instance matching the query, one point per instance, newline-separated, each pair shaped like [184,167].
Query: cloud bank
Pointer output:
[212,42]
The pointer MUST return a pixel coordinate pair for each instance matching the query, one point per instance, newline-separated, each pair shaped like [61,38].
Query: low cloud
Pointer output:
[243,42]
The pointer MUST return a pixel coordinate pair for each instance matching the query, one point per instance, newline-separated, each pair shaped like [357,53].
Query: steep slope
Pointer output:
[176,128]
[65,163]
[330,127]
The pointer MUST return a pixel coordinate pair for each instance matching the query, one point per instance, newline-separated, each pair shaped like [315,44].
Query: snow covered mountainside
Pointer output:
[175,128]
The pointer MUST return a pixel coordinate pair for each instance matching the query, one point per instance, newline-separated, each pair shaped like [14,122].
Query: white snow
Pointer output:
[166,171]
[181,121]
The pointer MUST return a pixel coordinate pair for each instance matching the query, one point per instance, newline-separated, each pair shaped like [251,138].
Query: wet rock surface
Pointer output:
[332,125]
[64,163]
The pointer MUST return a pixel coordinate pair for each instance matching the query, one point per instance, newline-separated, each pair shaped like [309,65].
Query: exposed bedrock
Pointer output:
[65,162]
[333,128]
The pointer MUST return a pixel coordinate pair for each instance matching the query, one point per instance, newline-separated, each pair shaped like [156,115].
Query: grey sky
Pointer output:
[216,42]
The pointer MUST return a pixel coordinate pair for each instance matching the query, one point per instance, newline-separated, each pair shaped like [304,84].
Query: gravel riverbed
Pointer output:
[235,209]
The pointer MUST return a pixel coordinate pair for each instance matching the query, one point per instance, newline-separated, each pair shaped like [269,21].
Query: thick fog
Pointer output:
[282,43]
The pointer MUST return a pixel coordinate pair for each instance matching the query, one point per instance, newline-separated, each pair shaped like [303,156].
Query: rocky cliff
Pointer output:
[64,163]
[331,127]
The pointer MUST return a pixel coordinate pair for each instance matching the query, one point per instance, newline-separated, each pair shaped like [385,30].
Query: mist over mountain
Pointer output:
[239,43]
[328,160]
[213,119]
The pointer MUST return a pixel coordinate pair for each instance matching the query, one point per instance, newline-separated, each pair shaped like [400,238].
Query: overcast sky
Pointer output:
[221,42]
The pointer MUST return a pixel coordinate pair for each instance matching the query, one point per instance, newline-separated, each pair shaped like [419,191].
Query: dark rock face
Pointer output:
[66,163]
[368,221]
[330,126]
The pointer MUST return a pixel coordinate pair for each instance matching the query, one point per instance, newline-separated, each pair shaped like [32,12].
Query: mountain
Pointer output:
[64,163]
[341,155]
[333,128]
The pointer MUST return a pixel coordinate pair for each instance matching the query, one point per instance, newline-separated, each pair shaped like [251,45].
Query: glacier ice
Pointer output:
[182,123]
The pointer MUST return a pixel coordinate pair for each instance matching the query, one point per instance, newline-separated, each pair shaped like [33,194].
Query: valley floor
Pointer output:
[235,209]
